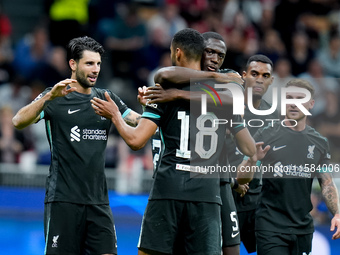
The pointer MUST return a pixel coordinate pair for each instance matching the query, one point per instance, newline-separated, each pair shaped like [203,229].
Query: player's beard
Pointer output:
[83,81]
[257,97]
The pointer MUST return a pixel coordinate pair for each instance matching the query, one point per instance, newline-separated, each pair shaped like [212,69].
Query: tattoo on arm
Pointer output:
[329,192]
[132,118]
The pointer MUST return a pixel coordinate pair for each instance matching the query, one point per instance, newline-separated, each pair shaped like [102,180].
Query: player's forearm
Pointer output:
[29,114]
[177,76]
[127,132]
[330,194]
[132,118]
[245,142]
[246,170]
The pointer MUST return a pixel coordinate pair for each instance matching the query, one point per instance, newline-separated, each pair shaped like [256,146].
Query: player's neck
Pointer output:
[80,88]
[297,125]
[192,65]
[256,101]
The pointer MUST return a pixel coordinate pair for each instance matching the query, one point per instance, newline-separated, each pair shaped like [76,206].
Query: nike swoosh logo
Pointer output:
[278,148]
[71,112]
[234,235]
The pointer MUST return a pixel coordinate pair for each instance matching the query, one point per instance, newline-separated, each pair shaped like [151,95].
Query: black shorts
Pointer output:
[247,227]
[272,243]
[230,229]
[181,227]
[77,229]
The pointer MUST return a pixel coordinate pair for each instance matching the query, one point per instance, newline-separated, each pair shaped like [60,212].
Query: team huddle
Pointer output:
[188,212]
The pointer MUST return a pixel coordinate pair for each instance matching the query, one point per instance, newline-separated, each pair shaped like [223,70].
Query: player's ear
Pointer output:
[244,74]
[311,104]
[73,64]
[179,54]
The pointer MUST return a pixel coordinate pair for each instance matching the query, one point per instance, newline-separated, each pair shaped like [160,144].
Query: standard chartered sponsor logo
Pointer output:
[94,134]
[88,134]
[75,135]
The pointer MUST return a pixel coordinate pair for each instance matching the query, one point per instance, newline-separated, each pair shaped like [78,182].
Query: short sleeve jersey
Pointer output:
[78,138]
[296,158]
[189,139]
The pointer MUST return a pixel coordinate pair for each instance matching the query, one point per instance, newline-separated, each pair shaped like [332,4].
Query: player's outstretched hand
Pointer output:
[141,95]
[157,94]
[335,223]
[260,152]
[107,109]
[242,189]
[60,89]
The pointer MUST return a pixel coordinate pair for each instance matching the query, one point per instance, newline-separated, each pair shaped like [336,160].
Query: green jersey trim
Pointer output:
[126,113]
[151,115]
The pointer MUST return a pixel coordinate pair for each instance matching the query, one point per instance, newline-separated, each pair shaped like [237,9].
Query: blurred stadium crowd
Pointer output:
[301,37]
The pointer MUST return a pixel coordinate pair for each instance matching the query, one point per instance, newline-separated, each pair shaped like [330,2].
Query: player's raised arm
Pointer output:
[29,114]
[158,94]
[331,197]
[103,108]
[176,75]
[135,137]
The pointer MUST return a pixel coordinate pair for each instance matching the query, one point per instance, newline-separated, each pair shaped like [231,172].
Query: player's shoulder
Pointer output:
[316,136]
[101,91]
[272,128]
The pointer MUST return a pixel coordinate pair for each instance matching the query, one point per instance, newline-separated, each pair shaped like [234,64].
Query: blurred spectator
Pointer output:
[166,24]
[327,123]
[329,54]
[282,75]
[54,70]
[10,141]
[164,62]
[192,10]
[126,39]
[6,52]
[15,94]
[300,54]
[266,21]
[249,38]
[272,46]
[67,19]
[32,52]
[235,57]
[211,21]
[251,9]
[322,84]
[286,17]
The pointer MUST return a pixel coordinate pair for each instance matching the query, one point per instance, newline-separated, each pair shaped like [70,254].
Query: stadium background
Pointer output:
[301,37]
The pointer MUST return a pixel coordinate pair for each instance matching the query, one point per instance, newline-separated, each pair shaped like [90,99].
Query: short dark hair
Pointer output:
[259,58]
[77,46]
[212,35]
[191,42]
[300,83]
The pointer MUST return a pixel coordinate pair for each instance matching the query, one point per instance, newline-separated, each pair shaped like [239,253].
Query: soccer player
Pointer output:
[212,59]
[77,217]
[298,154]
[258,76]
[181,209]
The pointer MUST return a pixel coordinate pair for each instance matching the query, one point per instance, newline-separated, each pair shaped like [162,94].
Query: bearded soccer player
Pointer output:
[298,154]
[77,217]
